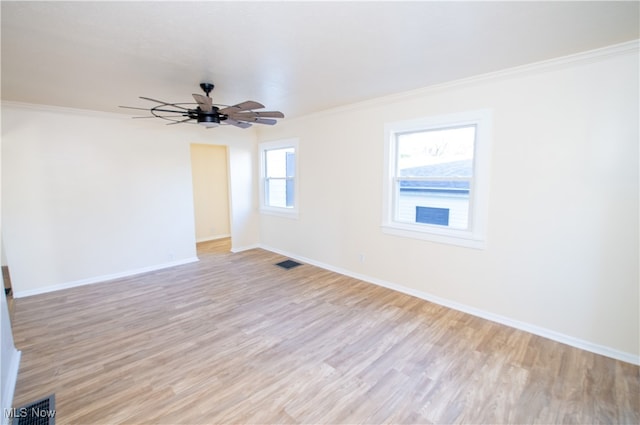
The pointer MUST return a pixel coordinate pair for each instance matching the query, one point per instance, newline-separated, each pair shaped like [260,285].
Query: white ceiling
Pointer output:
[297,57]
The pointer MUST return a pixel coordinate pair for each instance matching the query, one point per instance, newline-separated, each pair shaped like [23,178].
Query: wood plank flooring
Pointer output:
[234,339]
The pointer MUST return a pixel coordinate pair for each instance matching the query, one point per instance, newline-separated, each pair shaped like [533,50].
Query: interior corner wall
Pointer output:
[9,359]
[89,196]
[3,257]
[210,191]
[562,247]
[9,356]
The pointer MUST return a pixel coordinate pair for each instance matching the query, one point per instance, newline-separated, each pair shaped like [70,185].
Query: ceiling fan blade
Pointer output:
[249,115]
[204,102]
[134,107]
[168,111]
[181,121]
[154,100]
[237,123]
[156,109]
[164,103]
[267,121]
[244,106]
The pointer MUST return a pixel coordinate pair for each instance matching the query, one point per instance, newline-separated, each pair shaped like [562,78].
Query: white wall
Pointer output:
[89,196]
[210,191]
[562,254]
[9,356]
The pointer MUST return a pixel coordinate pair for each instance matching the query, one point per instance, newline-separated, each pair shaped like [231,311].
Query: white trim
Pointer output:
[435,234]
[503,320]
[586,57]
[589,56]
[278,211]
[212,238]
[64,110]
[236,250]
[475,236]
[100,279]
[10,383]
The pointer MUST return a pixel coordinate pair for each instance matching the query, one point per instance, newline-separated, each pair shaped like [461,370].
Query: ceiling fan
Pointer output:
[208,114]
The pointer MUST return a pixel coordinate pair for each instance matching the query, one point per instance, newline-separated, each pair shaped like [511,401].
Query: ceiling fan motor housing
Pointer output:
[208,119]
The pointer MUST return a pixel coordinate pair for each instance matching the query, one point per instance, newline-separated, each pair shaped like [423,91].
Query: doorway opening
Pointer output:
[210,175]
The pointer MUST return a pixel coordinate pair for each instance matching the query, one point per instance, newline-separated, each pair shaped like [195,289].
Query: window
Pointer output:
[278,188]
[436,182]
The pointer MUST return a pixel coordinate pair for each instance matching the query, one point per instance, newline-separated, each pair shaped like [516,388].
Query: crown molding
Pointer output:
[590,56]
[197,134]
[60,109]
[581,58]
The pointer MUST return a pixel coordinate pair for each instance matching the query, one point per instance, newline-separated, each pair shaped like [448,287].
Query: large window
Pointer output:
[278,188]
[437,178]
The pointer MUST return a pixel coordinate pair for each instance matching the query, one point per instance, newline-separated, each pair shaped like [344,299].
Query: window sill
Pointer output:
[280,212]
[445,236]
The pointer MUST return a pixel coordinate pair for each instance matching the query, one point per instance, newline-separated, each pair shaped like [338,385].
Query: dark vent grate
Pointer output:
[41,412]
[288,264]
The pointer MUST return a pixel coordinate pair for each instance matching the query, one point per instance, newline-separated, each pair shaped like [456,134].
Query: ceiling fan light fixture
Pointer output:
[209,120]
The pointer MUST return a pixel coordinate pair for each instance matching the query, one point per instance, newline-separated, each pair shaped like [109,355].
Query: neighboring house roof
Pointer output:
[447,169]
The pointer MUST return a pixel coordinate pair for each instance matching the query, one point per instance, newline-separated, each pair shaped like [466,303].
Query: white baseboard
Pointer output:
[212,238]
[10,383]
[103,278]
[236,249]
[503,320]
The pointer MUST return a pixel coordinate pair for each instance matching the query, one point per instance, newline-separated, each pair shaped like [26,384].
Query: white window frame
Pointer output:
[290,212]
[475,235]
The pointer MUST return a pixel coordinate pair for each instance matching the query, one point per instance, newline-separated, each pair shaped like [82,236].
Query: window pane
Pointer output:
[443,152]
[279,193]
[412,204]
[438,165]
[280,166]
[278,183]
[280,162]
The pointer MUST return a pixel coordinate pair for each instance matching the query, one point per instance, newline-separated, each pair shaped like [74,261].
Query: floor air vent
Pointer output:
[288,264]
[41,412]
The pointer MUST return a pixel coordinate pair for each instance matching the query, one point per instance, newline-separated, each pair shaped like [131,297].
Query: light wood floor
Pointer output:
[234,339]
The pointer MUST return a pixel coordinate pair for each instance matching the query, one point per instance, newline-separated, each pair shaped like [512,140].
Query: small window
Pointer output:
[437,178]
[278,188]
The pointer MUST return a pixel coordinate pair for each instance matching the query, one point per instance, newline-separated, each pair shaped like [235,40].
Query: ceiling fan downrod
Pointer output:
[206,87]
